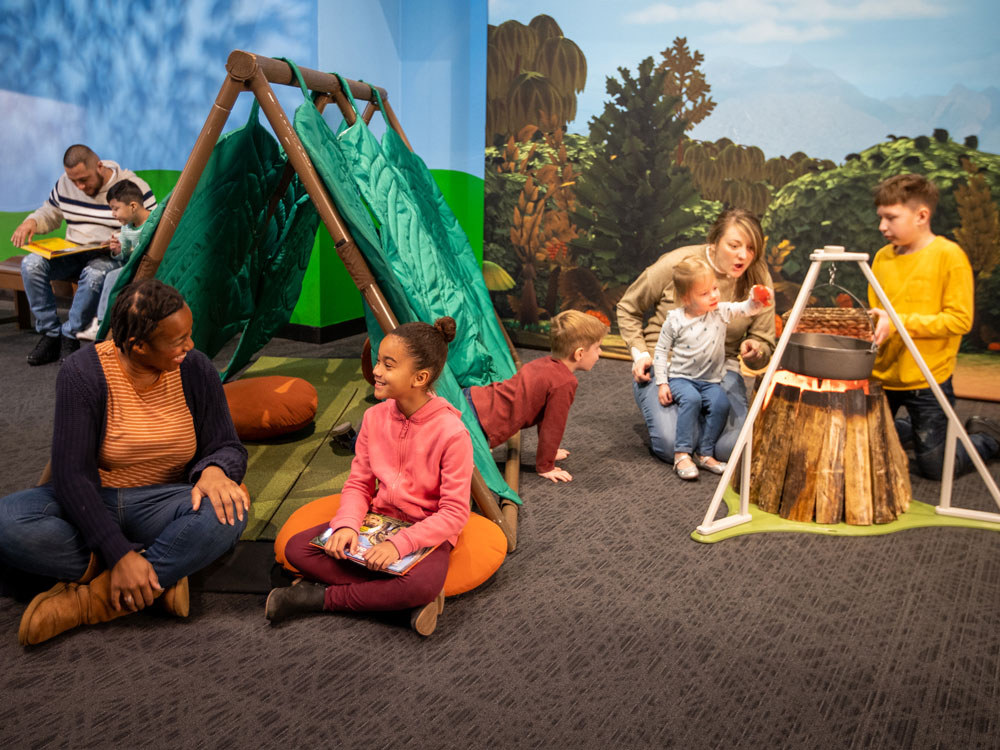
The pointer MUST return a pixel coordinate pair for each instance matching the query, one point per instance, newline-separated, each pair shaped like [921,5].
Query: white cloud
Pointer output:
[764,32]
[735,12]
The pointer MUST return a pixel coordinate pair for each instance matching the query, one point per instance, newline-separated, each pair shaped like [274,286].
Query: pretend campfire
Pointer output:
[819,444]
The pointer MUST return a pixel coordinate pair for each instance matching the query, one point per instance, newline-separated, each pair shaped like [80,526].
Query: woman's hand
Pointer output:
[228,499]
[883,326]
[133,583]
[561,453]
[381,556]
[665,396]
[340,540]
[640,369]
[751,353]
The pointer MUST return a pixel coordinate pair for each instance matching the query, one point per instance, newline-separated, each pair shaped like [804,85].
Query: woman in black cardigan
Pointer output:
[146,467]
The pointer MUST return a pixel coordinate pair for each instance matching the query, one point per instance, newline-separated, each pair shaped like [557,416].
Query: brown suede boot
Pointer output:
[93,568]
[424,619]
[66,606]
[176,600]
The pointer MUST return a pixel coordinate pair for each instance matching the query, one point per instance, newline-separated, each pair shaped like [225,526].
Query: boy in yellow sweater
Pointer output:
[928,280]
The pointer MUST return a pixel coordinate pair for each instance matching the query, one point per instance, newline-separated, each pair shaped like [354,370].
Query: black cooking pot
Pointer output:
[828,356]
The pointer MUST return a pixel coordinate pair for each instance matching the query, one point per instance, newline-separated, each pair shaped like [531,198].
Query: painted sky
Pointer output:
[885,48]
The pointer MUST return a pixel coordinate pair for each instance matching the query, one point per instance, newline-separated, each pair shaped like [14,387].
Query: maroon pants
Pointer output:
[352,587]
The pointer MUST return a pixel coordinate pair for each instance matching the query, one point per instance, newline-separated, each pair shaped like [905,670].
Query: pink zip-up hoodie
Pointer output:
[418,469]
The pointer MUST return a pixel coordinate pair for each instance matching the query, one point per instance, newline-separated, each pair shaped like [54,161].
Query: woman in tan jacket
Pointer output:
[734,249]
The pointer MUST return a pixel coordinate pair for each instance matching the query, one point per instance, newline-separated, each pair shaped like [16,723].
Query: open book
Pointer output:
[376,528]
[54,247]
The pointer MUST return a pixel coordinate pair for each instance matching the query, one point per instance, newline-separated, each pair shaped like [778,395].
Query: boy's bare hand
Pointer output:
[666,397]
[883,326]
[557,475]
[561,453]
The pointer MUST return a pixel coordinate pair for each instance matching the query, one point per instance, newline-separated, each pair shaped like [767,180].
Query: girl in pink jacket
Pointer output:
[413,460]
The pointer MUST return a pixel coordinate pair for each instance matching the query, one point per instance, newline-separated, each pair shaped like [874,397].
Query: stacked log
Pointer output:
[828,456]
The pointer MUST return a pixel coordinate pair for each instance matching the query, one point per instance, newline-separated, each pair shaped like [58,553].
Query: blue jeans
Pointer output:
[37,537]
[661,421]
[109,284]
[926,424]
[695,398]
[37,273]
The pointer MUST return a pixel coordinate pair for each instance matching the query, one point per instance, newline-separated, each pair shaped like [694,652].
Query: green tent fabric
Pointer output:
[240,271]
[335,168]
[430,255]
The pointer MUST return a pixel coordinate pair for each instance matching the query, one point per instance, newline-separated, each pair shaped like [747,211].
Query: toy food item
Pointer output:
[761,294]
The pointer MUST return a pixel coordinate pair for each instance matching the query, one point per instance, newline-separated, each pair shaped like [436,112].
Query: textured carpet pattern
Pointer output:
[607,628]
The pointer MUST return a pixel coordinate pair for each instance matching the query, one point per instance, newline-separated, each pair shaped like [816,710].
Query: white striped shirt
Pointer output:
[88,218]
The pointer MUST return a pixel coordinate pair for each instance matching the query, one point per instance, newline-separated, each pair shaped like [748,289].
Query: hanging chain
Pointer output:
[833,274]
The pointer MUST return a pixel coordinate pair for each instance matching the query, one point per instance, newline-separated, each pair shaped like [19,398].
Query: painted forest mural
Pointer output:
[571,219]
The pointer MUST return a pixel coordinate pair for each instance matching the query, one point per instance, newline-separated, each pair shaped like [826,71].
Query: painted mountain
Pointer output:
[799,107]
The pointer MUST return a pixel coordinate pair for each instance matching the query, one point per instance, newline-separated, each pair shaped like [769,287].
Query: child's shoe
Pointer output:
[424,619]
[708,463]
[90,332]
[687,473]
[298,599]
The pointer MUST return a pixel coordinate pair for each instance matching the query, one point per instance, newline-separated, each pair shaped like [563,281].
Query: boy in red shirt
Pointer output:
[542,391]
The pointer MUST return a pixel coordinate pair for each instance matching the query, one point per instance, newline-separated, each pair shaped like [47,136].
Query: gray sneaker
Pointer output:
[984,425]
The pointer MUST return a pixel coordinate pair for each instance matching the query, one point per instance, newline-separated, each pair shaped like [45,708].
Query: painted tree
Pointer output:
[533,74]
[979,233]
[684,80]
[634,192]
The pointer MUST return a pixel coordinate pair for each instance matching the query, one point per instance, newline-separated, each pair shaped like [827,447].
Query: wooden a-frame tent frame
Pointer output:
[249,72]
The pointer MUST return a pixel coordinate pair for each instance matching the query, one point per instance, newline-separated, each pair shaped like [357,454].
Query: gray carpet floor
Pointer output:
[608,627]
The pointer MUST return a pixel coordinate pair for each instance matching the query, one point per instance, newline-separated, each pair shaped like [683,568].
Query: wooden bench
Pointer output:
[10,278]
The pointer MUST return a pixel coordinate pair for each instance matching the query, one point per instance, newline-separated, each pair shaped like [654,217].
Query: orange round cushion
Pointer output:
[477,555]
[269,406]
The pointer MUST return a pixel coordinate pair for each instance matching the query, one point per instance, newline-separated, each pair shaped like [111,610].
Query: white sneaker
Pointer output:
[90,332]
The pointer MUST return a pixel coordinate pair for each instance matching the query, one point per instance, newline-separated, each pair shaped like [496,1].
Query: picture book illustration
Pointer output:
[375,529]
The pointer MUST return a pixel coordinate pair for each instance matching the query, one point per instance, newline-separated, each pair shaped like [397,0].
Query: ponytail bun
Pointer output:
[447,328]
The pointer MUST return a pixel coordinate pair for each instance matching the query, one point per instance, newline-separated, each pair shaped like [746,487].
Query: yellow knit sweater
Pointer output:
[931,291]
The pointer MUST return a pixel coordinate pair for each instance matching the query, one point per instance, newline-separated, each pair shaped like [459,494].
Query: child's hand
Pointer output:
[115,245]
[341,539]
[381,556]
[883,326]
[666,397]
[561,453]
[557,475]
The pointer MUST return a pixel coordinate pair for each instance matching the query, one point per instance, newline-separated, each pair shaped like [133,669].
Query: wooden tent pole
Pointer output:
[188,180]
[346,247]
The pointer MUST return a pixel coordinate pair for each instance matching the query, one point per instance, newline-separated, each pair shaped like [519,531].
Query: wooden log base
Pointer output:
[829,455]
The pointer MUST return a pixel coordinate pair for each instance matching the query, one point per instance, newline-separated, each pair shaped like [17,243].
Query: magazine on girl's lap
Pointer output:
[377,528]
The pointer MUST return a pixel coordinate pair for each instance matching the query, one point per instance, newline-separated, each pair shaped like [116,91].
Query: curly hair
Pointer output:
[138,310]
[428,344]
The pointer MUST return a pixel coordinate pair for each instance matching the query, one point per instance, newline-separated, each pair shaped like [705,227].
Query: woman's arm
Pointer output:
[218,443]
[81,400]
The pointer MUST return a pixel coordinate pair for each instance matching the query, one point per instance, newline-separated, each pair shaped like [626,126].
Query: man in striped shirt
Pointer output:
[81,198]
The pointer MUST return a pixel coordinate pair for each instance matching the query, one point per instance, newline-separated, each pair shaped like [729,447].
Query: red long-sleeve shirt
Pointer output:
[540,394]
